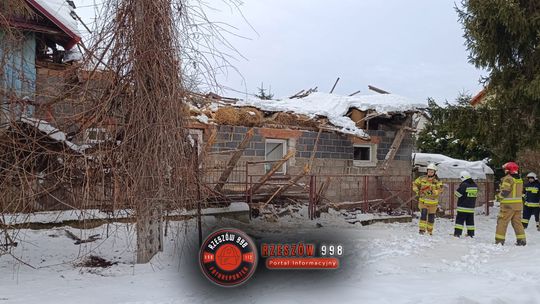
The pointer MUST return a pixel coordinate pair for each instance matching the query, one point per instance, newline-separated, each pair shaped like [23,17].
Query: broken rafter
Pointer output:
[334,86]
[396,143]
[294,181]
[272,171]
[352,94]
[211,140]
[314,151]
[297,94]
[375,89]
[304,93]
[79,241]
[234,160]
[322,191]
[285,187]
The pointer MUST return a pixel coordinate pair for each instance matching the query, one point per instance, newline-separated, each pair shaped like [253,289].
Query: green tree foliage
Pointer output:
[453,131]
[503,37]
[263,94]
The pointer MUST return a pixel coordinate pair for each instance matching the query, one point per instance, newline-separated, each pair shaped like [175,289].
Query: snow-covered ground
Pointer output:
[383,263]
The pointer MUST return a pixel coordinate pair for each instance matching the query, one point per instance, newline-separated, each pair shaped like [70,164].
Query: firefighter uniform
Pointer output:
[511,207]
[428,189]
[532,203]
[466,194]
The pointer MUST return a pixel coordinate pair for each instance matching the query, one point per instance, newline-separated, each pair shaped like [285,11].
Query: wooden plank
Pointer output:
[333,87]
[294,181]
[234,160]
[396,144]
[375,89]
[354,93]
[397,219]
[352,205]
[274,169]
[322,191]
[211,141]
[314,151]
[284,188]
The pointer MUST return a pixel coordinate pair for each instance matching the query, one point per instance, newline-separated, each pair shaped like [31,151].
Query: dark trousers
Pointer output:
[528,212]
[427,220]
[463,218]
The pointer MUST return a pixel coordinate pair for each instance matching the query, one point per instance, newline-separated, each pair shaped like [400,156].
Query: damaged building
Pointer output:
[353,149]
[317,147]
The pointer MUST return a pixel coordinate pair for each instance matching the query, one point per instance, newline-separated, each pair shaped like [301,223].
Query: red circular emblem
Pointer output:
[228,257]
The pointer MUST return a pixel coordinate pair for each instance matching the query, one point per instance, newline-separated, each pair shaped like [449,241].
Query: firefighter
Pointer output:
[466,194]
[531,201]
[428,188]
[511,200]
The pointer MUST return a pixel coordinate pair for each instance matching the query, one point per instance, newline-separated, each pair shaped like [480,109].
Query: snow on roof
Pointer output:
[52,132]
[450,167]
[59,12]
[335,107]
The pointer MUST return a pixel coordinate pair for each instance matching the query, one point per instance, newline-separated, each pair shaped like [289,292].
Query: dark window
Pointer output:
[362,153]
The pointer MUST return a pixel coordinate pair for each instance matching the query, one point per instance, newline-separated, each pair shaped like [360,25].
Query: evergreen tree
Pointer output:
[263,95]
[453,131]
[503,38]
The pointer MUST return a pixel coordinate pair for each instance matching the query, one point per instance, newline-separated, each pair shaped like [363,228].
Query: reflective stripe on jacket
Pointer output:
[532,194]
[466,194]
[428,189]
[513,185]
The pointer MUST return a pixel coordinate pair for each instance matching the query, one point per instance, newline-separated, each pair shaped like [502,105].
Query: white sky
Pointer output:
[411,48]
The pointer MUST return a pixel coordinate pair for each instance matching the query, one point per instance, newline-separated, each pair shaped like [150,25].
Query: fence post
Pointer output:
[247,188]
[411,206]
[316,196]
[452,199]
[487,197]
[312,197]
[365,205]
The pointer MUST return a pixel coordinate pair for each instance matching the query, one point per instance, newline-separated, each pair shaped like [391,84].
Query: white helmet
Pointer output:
[532,174]
[464,175]
[432,166]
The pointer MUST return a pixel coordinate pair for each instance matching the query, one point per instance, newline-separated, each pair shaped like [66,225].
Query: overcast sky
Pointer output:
[411,48]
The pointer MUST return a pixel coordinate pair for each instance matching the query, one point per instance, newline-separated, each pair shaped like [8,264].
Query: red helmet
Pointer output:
[511,167]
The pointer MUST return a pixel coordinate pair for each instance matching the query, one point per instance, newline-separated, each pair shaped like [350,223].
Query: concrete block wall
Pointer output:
[387,138]
[330,146]
[334,157]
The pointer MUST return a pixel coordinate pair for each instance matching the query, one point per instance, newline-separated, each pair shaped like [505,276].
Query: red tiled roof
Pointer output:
[478,97]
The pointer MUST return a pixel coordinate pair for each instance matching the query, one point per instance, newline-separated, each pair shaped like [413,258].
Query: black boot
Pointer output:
[521,242]
[499,242]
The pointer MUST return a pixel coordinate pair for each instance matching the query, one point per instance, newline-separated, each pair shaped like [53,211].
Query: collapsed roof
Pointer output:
[334,107]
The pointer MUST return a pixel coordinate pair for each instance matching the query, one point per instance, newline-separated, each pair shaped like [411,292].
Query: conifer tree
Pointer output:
[503,37]
[263,94]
